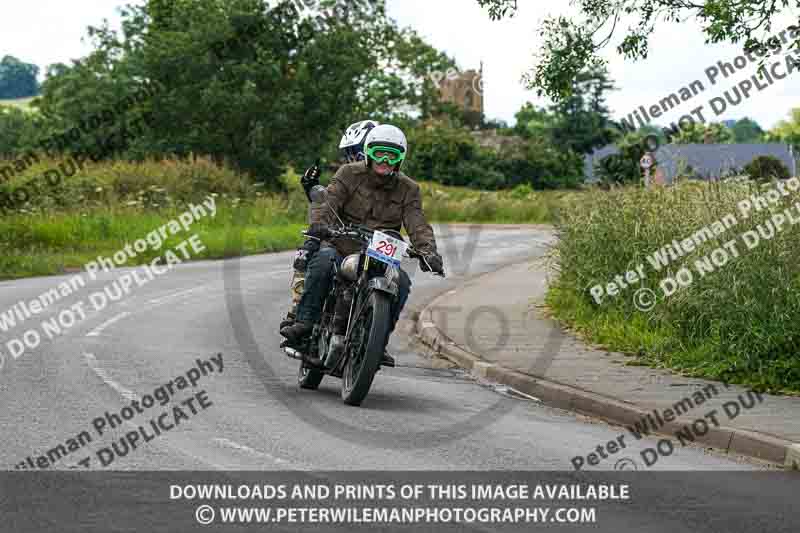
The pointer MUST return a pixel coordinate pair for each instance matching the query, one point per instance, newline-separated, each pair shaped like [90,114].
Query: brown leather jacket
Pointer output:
[360,196]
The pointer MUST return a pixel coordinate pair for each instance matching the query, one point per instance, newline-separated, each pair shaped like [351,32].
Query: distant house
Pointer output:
[702,161]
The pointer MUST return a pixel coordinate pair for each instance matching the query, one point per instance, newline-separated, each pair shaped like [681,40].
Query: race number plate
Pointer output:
[386,248]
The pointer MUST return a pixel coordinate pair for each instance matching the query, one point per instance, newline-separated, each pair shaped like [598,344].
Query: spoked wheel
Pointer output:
[368,342]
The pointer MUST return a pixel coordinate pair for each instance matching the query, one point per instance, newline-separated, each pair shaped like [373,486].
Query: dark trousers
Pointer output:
[319,274]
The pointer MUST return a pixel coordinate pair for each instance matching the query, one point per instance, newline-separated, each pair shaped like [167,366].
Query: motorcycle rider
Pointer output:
[351,147]
[373,193]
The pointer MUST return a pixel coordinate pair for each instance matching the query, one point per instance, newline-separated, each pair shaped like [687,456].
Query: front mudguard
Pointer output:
[380,284]
[384,285]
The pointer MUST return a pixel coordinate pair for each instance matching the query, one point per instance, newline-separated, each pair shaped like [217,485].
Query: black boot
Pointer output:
[288,321]
[297,331]
[387,360]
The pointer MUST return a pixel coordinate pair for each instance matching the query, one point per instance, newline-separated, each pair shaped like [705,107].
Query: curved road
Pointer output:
[423,415]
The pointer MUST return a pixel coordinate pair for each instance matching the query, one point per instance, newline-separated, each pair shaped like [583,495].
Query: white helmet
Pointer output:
[352,143]
[387,136]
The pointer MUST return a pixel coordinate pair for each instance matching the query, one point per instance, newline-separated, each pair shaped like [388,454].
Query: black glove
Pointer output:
[320,231]
[310,179]
[303,255]
[311,245]
[435,262]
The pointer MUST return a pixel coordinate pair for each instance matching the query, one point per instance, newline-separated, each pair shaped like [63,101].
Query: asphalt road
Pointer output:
[422,415]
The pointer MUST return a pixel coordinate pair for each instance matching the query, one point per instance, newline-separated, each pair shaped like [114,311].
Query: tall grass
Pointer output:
[739,323]
[99,209]
[516,206]
[96,211]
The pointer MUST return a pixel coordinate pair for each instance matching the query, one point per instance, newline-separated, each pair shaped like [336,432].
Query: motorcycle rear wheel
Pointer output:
[368,345]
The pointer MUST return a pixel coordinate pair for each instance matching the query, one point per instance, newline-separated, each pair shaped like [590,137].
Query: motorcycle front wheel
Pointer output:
[368,342]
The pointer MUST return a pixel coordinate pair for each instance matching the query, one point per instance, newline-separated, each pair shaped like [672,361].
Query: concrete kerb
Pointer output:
[732,440]
[793,457]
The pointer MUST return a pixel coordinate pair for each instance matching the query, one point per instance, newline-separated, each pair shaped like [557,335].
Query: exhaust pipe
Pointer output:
[294,354]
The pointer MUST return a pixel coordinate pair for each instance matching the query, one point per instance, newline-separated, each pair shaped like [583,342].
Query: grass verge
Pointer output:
[738,321]
[58,227]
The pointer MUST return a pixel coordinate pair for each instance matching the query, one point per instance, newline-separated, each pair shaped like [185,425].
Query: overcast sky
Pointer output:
[49,31]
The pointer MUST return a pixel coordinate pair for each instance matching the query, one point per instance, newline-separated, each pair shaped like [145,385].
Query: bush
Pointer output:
[17,129]
[541,165]
[622,167]
[451,156]
[438,152]
[113,184]
[765,168]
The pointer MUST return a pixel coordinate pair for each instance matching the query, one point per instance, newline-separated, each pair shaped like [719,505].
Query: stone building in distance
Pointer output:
[464,90]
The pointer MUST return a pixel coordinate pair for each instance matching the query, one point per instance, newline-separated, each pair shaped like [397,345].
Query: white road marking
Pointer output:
[257,453]
[130,396]
[512,392]
[91,360]
[175,295]
[96,331]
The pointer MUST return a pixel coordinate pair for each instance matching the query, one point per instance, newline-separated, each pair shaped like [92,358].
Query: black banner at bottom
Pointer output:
[673,502]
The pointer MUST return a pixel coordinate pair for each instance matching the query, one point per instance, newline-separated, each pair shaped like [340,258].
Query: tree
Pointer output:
[714,133]
[766,168]
[18,79]
[17,129]
[623,167]
[747,131]
[533,122]
[787,131]
[572,44]
[260,87]
[690,134]
[581,121]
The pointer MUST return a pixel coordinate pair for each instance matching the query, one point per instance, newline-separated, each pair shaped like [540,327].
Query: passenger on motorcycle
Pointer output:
[375,194]
[351,148]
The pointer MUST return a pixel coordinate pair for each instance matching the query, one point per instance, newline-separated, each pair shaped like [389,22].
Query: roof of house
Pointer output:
[706,160]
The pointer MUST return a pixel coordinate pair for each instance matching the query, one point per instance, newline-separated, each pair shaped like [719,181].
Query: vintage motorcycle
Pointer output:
[351,336]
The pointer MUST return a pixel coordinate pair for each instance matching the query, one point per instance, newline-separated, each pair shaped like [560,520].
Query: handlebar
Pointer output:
[361,233]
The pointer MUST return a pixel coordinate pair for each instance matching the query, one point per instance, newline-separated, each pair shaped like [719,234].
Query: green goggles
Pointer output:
[387,154]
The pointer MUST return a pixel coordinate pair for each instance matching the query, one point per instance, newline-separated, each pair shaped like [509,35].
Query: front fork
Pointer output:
[386,284]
